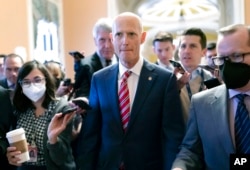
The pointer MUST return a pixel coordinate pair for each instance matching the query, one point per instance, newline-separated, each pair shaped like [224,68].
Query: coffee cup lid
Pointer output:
[15,132]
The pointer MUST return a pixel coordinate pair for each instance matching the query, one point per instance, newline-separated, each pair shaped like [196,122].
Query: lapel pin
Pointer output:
[149,78]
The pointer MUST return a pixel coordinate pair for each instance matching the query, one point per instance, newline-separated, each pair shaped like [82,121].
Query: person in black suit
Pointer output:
[6,124]
[150,137]
[12,63]
[103,57]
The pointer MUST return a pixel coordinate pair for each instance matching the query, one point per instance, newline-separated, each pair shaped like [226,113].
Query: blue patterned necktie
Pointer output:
[242,127]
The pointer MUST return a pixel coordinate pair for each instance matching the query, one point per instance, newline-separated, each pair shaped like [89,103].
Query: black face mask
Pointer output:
[235,75]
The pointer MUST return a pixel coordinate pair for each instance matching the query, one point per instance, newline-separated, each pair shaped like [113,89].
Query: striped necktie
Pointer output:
[242,127]
[124,101]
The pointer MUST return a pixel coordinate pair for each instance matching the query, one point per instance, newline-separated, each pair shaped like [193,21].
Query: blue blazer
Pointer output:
[208,142]
[155,129]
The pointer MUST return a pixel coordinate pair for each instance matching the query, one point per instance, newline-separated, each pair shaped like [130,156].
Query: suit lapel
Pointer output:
[145,83]
[220,114]
[96,63]
[111,93]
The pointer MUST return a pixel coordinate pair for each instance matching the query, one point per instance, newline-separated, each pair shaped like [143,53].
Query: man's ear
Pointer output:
[143,37]
[111,37]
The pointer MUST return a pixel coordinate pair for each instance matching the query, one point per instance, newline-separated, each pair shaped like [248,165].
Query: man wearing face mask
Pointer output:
[219,123]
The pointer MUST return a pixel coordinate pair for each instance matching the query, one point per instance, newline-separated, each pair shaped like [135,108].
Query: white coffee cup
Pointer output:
[17,138]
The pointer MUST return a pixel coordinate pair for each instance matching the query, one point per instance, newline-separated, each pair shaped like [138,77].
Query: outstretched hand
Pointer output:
[57,125]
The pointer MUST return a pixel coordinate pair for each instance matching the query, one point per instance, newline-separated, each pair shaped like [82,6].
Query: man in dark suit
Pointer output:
[148,135]
[211,133]
[6,123]
[12,63]
[103,57]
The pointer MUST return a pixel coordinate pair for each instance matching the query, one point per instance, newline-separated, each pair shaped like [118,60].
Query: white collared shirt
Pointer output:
[103,60]
[170,67]
[132,80]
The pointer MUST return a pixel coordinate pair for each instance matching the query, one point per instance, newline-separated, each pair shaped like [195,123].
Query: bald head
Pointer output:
[129,16]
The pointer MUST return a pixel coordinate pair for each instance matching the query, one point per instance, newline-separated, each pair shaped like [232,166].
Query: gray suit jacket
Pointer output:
[208,142]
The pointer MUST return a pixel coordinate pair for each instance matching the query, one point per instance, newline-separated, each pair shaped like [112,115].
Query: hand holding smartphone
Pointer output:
[81,103]
[68,109]
[177,65]
[76,54]
[67,82]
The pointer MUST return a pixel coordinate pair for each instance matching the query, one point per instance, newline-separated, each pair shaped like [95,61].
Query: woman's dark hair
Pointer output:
[20,101]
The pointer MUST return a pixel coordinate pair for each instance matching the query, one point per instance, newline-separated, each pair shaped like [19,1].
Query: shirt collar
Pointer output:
[136,69]
[233,93]
[170,66]
[195,73]
[9,83]
[103,60]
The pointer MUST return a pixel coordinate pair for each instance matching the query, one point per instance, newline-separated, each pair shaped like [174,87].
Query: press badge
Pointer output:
[33,152]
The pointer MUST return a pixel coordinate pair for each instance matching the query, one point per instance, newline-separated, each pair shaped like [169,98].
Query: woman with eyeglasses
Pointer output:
[38,112]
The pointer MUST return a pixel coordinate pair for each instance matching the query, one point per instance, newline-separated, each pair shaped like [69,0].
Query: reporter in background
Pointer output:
[102,57]
[12,64]
[191,49]
[56,69]
[164,48]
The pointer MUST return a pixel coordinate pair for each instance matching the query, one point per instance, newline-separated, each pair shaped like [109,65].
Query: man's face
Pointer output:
[230,44]
[104,45]
[127,38]
[11,68]
[190,51]
[235,43]
[164,51]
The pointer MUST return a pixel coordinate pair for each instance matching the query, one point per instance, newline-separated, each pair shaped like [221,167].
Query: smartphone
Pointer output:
[213,82]
[178,65]
[82,104]
[67,82]
[207,67]
[76,54]
[68,109]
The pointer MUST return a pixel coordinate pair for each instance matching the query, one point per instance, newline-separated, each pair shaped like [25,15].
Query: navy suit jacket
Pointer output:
[155,129]
[6,123]
[208,141]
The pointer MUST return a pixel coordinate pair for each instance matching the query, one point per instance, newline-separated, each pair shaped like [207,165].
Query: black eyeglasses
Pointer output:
[235,58]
